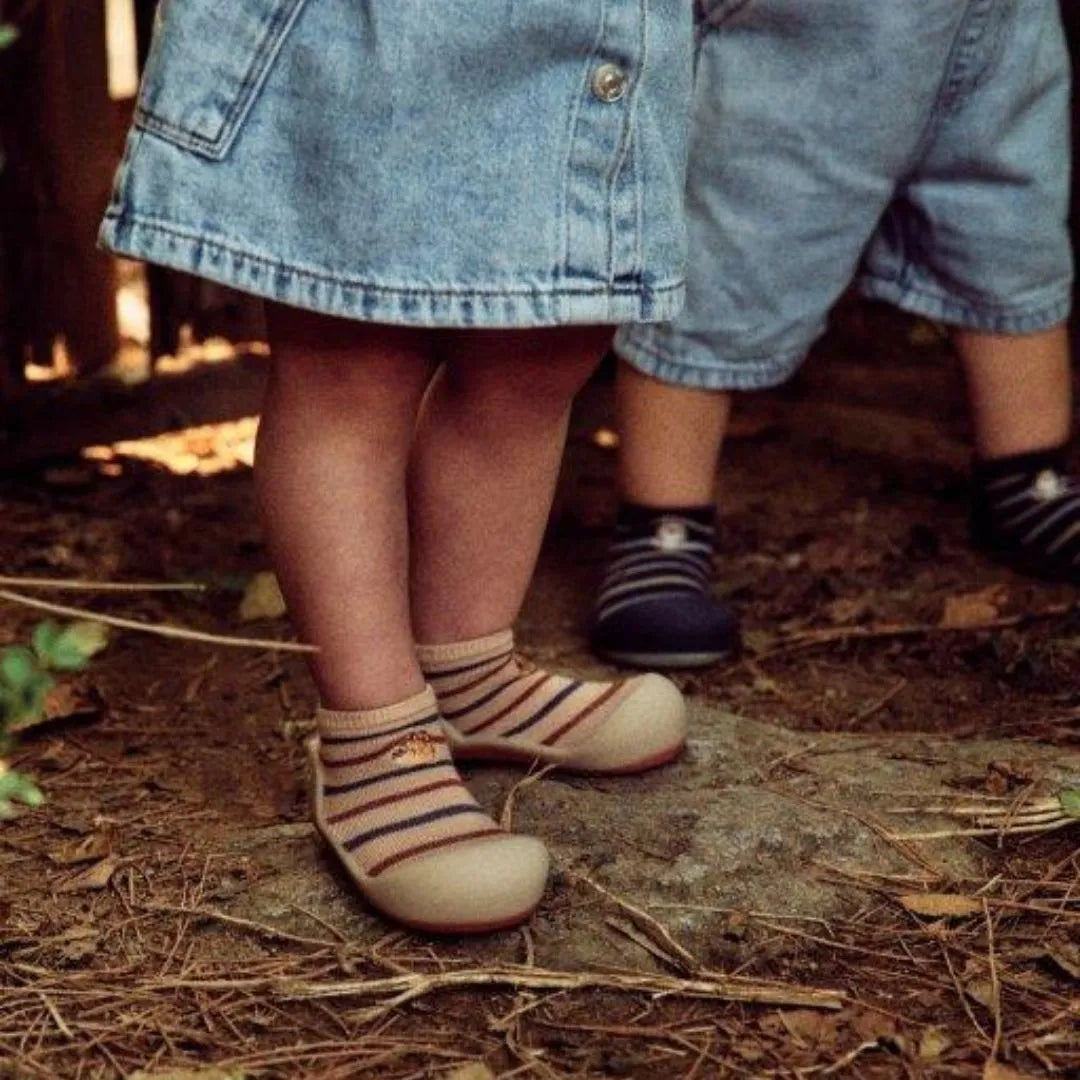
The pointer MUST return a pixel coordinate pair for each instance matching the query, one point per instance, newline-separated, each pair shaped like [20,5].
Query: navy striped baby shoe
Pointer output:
[655,607]
[1026,513]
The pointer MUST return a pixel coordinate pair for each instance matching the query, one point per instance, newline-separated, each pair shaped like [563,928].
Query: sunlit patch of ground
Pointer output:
[205,450]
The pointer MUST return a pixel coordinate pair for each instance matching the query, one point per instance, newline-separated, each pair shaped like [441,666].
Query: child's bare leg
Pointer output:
[487,454]
[1020,390]
[332,454]
[484,467]
[670,440]
[331,469]
[1025,508]
[655,606]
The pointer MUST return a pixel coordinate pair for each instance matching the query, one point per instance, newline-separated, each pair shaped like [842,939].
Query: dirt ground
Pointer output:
[763,908]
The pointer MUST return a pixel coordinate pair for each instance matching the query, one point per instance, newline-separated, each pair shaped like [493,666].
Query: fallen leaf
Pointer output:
[92,878]
[974,609]
[68,700]
[982,991]
[941,905]
[809,1026]
[933,1043]
[475,1070]
[73,699]
[87,849]
[262,598]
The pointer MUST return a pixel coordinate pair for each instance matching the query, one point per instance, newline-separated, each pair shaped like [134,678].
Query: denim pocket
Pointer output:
[207,63]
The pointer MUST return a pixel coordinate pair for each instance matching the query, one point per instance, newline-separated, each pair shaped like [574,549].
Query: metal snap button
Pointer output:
[609,83]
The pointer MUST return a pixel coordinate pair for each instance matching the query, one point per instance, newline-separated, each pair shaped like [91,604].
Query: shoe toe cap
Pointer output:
[688,623]
[470,887]
[646,729]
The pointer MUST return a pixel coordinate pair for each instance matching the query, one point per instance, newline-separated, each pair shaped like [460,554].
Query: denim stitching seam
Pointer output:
[272,34]
[137,222]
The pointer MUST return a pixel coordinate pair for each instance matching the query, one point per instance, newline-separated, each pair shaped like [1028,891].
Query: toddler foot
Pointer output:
[655,607]
[498,706]
[391,804]
[1026,513]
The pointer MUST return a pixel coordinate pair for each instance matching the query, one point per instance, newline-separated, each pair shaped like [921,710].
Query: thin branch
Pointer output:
[157,628]
[717,987]
[79,585]
[805,639]
[995,982]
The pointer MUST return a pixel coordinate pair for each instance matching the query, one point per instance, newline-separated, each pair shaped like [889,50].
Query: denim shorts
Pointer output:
[461,163]
[919,147]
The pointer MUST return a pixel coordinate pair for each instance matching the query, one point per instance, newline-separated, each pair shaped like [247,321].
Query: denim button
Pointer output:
[609,82]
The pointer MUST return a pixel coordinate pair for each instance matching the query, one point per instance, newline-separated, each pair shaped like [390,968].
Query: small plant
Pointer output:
[26,677]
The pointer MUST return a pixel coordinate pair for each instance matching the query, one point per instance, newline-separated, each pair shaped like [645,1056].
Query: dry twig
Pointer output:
[403,988]
[79,585]
[160,629]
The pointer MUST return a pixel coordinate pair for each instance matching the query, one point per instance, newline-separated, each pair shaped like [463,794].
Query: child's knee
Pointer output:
[531,373]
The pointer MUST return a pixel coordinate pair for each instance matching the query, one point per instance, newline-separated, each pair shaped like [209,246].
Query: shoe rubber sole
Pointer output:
[667,661]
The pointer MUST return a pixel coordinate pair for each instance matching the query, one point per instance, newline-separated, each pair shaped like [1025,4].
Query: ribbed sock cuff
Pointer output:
[984,470]
[344,722]
[434,657]
[635,516]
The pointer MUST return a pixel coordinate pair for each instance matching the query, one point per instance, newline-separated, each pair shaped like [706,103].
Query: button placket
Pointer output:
[638,72]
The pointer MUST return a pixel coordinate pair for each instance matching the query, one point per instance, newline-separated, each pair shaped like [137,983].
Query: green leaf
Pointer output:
[26,705]
[31,701]
[44,638]
[71,648]
[18,666]
[9,34]
[14,787]
[1070,801]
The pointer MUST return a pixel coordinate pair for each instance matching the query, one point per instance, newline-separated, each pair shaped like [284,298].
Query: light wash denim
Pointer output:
[459,163]
[919,146]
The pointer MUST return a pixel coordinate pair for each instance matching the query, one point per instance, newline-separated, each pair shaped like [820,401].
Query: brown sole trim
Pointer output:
[462,928]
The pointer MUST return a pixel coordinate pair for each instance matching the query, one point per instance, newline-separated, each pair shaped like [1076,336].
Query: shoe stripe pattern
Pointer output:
[498,695]
[390,789]
[1039,514]
[676,558]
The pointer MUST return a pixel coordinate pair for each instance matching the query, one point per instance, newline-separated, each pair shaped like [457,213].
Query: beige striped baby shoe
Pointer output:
[391,804]
[498,706]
